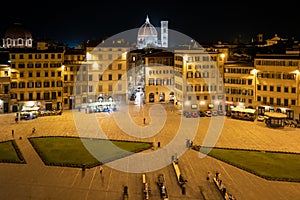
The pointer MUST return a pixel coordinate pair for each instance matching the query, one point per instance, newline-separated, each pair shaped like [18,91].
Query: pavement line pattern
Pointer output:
[35,181]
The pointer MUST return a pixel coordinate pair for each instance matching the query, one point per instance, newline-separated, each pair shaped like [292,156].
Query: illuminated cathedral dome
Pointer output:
[17,36]
[147,35]
[147,29]
[16,31]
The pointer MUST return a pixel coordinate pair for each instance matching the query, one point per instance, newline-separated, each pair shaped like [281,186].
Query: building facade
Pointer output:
[73,60]
[159,76]
[199,79]
[103,77]
[195,78]
[239,82]
[5,73]
[277,86]
[36,78]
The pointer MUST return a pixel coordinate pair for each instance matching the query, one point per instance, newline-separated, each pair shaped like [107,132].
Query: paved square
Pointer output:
[34,180]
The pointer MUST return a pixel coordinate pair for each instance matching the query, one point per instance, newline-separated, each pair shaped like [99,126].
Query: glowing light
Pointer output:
[187,103]
[241,105]
[95,65]
[30,103]
[185,58]
[124,55]
[88,56]
[254,71]
[202,103]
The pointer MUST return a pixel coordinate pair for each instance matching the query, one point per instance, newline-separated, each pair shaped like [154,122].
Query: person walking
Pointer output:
[17,118]
[101,170]
[208,176]
[33,130]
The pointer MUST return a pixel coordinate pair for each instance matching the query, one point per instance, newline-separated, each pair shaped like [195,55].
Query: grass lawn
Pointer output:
[10,153]
[71,151]
[269,165]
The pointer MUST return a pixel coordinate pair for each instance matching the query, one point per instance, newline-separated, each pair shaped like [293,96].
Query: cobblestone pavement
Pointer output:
[34,180]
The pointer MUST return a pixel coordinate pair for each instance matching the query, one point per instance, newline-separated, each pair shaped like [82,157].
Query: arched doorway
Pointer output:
[162,97]
[110,99]
[151,97]
[171,97]
[100,99]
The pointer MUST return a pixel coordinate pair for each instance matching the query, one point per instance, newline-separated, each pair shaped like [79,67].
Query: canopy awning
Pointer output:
[275,115]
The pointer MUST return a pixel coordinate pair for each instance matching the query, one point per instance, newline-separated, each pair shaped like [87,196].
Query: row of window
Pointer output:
[205,97]
[99,67]
[36,65]
[159,81]
[84,88]
[203,88]
[161,61]
[199,67]
[36,96]
[165,71]
[282,63]
[37,84]
[276,101]
[36,56]
[237,71]
[272,88]
[20,41]
[201,58]
[200,88]
[39,74]
[247,92]
[102,57]
[204,74]
[278,75]
[238,81]
[239,99]
[90,77]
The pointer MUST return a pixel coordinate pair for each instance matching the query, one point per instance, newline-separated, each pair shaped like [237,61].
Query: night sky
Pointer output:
[210,21]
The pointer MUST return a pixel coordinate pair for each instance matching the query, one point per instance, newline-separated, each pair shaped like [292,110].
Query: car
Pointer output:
[214,113]
[260,118]
[228,114]
[221,112]
[201,113]
[208,113]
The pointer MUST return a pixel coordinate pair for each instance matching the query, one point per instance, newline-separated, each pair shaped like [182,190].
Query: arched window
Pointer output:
[20,41]
[151,97]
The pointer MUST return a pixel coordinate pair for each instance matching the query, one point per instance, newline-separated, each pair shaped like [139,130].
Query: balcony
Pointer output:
[4,79]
